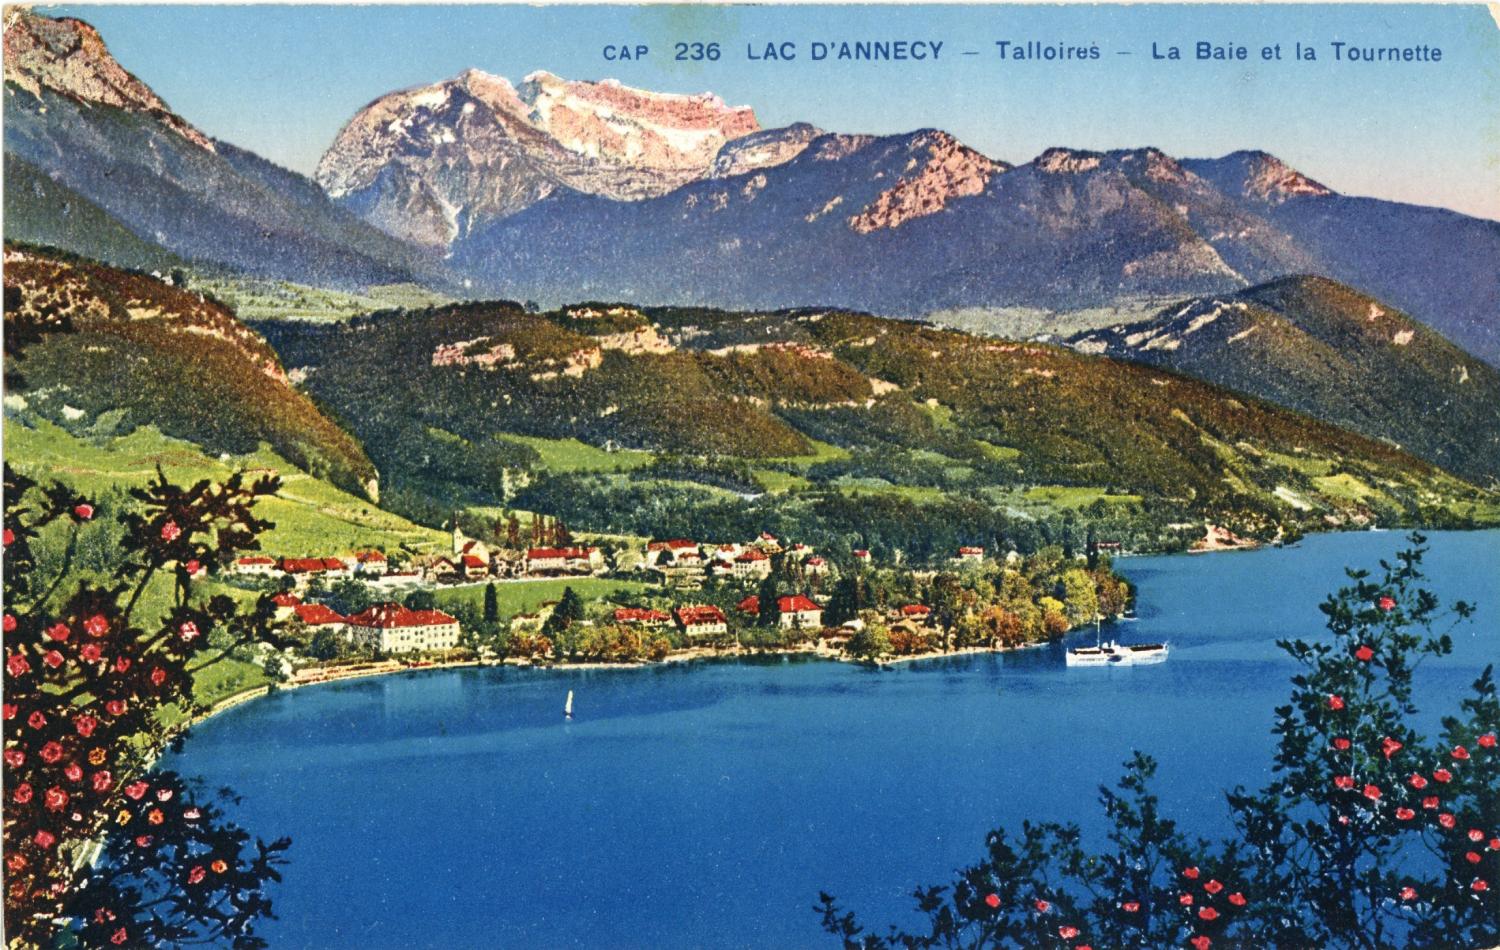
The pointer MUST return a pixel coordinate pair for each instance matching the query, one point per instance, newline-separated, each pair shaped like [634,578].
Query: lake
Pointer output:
[705,805]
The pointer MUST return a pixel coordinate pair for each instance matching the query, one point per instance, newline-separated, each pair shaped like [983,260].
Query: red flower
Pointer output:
[96,626]
[1494,844]
[170,531]
[1237,899]
[1200,942]
[9,711]
[1213,887]
[90,653]
[1446,819]
[1431,801]
[1186,900]
[16,863]
[1389,746]
[51,752]
[36,720]
[9,623]
[1335,702]
[84,510]
[17,665]
[1344,782]
[122,663]
[1417,781]
[1372,792]
[1042,906]
[191,567]
[197,874]
[15,758]
[115,707]
[1460,753]
[44,838]
[53,659]
[1487,740]
[1190,873]
[8,538]
[1408,893]
[137,789]
[119,937]
[1442,775]
[1405,814]
[58,632]
[1480,884]
[1341,743]
[1472,858]
[158,676]
[1208,913]
[56,799]
[1386,604]
[992,900]
[85,725]
[103,781]
[73,771]
[1364,654]
[1475,834]
[22,794]
[1130,907]
[1067,932]
[143,841]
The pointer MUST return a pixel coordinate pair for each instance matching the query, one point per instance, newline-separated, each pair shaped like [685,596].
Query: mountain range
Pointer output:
[553,189]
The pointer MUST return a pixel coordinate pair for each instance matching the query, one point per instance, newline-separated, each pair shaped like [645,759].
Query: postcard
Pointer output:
[751,476]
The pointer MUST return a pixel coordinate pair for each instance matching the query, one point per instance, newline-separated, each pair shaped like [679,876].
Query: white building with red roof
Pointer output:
[798,611]
[642,616]
[971,554]
[754,564]
[574,560]
[255,564]
[370,562]
[814,566]
[701,621]
[392,628]
[861,556]
[474,566]
[319,617]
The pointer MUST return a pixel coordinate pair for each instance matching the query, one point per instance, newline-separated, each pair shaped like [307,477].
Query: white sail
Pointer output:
[568,706]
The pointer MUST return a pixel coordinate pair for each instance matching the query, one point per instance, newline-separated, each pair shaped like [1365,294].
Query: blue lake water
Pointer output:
[706,805]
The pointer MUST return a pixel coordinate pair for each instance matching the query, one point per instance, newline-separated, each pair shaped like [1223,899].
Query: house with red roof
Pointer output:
[642,616]
[572,560]
[917,612]
[285,603]
[392,628]
[814,566]
[701,621]
[800,612]
[319,617]
[750,605]
[970,554]
[861,556]
[304,569]
[474,566]
[370,562]
[752,564]
[255,564]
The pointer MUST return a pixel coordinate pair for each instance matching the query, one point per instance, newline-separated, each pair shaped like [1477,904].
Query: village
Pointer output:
[671,598]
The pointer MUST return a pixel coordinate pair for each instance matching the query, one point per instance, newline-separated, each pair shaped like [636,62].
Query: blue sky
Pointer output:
[281,80]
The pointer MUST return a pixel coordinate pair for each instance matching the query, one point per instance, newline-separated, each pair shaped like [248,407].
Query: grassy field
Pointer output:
[571,455]
[311,516]
[522,597]
[1070,496]
[280,300]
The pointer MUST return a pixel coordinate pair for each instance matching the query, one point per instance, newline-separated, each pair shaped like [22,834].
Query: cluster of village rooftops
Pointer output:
[678,563]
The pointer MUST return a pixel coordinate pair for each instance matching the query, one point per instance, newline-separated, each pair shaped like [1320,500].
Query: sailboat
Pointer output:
[568,706]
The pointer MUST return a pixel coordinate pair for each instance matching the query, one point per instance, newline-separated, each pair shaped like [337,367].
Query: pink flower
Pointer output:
[193,814]
[1364,654]
[119,937]
[1417,781]
[136,789]
[36,720]
[1237,899]
[22,794]
[1067,932]
[103,782]
[122,664]
[1389,746]
[1408,893]
[96,626]
[83,510]
[51,752]
[44,839]
[1386,604]
[73,771]
[17,665]
[1460,753]
[1208,913]
[1130,907]
[1431,801]
[85,724]
[192,566]
[143,841]
[1475,834]
[197,874]
[1446,819]
[15,758]
[56,798]
[170,531]
[158,676]
[1335,702]
[1405,814]
[1442,775]
[163,794]
[189,630]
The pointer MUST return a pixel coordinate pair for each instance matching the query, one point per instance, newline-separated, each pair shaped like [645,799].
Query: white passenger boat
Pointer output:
[1110,653]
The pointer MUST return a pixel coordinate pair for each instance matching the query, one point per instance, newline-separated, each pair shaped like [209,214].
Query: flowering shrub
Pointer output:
[1368,835]
[98,848]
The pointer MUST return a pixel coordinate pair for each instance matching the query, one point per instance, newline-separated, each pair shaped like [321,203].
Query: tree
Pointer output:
[87,672]
[565,616]
[491,603]
[420,600]
[847,600]
[768,597]
[1369,835]
[349,596]
[871,642]
[324,645]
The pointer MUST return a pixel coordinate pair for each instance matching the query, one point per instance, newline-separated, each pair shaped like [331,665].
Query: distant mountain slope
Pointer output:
[909,406]
[1329,351]
[93,348]
[1440,266]
[77,117]
[430,164]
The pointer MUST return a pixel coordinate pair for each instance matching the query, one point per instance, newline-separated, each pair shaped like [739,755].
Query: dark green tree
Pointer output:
[491,603]
[767,595]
